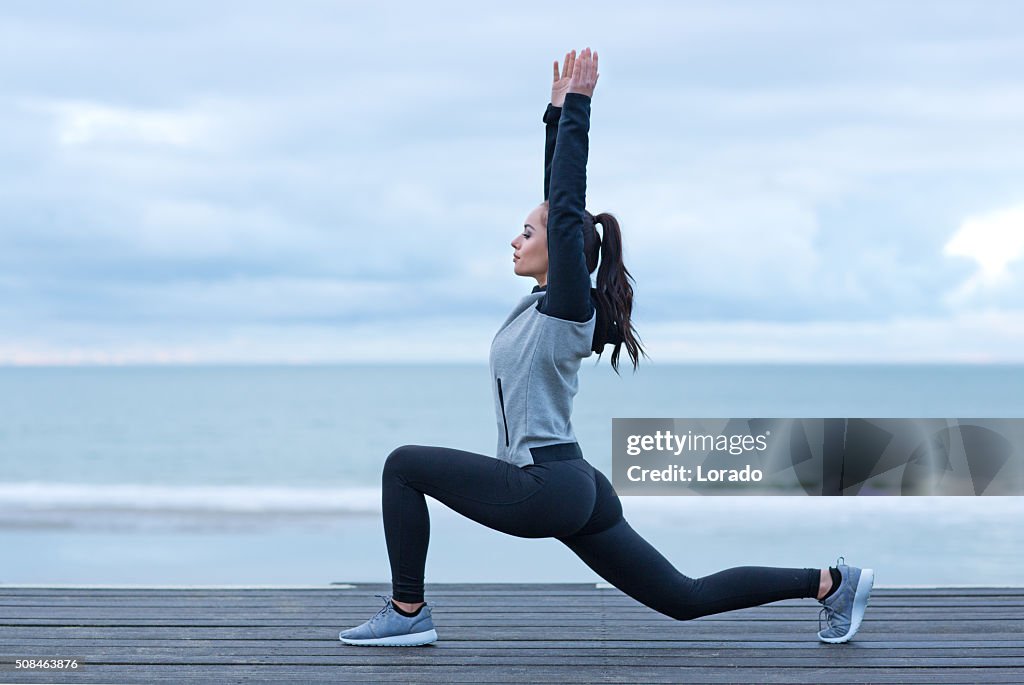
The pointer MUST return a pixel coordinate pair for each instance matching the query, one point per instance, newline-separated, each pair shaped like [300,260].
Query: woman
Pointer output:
[540,485]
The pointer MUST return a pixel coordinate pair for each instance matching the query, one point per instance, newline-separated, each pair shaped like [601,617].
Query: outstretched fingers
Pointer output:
[567,66]
[584,73]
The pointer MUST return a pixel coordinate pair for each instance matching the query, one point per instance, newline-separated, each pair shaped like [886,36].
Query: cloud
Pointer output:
[980,337]
[237,167]
[972,337]
[994,241]
[688,233]
[82,123]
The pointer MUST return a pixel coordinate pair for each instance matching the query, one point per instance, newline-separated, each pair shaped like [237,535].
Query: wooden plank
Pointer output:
[184,617]
[330,648]
[271,617]
[570,645]
[396,672]
[64,634]
[429,657]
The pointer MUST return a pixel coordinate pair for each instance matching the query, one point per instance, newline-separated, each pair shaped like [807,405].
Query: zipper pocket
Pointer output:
[501,399]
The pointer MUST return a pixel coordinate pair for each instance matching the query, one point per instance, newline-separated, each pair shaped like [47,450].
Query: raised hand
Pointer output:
[584,74]
[560,86]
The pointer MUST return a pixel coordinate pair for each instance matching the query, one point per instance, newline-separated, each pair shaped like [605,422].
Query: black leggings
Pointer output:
[569,500]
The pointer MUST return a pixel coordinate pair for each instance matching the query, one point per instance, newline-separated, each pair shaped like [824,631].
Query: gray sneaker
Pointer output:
[845,608]
[388,628]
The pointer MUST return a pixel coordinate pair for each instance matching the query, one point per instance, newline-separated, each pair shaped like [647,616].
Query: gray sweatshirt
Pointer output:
[535,355]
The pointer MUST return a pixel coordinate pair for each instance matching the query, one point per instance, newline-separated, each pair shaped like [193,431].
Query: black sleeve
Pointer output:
[568,284]
[551,115]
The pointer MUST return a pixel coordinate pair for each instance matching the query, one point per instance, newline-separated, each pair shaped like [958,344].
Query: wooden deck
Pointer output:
[501,633]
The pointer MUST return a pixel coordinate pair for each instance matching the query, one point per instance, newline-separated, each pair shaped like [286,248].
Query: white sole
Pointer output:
[860,603]
[410,640]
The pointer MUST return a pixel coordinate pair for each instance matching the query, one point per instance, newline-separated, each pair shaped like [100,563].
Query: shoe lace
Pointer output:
[385,609]
[829,613]
[388,606]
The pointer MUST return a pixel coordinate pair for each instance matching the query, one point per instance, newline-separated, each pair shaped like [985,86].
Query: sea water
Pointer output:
[271,474]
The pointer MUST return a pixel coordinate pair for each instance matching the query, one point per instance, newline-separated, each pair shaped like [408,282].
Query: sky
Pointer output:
[320,182]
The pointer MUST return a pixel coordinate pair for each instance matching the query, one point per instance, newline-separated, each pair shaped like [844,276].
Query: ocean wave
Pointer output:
[198,507]
[28,497]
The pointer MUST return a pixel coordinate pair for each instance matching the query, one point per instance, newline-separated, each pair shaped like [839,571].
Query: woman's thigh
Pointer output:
[537,501]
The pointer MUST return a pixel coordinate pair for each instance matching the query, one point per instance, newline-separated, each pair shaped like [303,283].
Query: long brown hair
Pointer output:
[614,294]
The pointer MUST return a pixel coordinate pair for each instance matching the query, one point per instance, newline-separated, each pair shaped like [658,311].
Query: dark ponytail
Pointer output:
[614,294]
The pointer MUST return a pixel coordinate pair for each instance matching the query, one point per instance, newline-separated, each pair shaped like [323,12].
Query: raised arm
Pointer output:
[568,281]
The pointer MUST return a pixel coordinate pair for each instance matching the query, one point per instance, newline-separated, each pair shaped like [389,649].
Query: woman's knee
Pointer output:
[678,600]
[683,611]
[399,458]
[686,602]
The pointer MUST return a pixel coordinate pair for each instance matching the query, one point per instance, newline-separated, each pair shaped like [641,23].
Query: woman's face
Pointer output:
[531,248]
